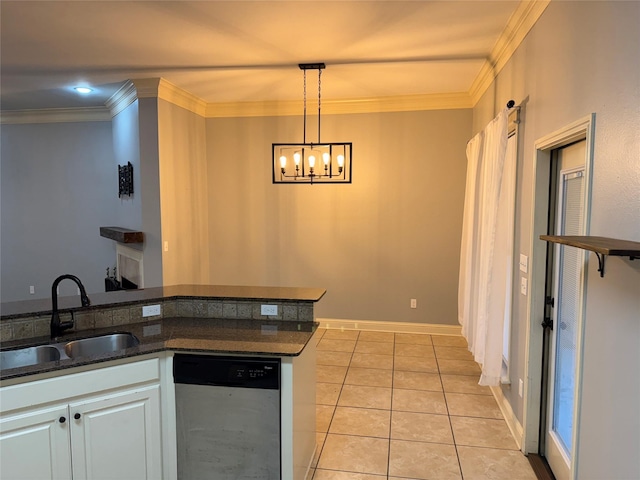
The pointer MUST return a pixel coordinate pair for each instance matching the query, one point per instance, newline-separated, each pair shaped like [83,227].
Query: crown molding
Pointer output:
[146,87]
[400,103]
[520,23]
[182,98]
[124,97]
[154,88]
[56,115]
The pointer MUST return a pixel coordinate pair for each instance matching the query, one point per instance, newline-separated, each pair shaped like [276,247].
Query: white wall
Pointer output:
[584,57]
[59,186]
[391,235]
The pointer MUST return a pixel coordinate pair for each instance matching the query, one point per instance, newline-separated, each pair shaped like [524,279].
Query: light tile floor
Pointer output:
[407,406]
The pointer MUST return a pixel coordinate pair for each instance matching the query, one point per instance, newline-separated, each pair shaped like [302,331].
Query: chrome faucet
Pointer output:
[57,327]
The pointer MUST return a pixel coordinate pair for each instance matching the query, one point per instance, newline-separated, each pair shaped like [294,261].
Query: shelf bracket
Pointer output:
[601,259]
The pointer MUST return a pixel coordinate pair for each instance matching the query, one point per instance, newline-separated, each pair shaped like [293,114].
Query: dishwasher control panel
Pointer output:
[247,372]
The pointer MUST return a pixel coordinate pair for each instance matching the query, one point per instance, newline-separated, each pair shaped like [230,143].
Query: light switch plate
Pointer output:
[151,310]
[268,310]
[524,263]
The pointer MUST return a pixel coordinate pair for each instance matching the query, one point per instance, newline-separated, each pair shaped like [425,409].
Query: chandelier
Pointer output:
[320,162]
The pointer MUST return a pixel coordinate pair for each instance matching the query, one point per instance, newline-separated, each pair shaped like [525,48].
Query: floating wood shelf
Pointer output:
[601,246]
[122,235]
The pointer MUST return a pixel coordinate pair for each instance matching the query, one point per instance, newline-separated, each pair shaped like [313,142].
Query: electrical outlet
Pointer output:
[414,303]
[523,286]
[151,310]
[520,388]
[32,290]
[268,310]
[166,246]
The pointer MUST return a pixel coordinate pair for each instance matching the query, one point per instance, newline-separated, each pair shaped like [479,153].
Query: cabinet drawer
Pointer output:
[65,387]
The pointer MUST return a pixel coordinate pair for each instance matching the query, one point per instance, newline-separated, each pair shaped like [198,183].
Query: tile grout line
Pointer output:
[393,372]
[453,436]
[337,400]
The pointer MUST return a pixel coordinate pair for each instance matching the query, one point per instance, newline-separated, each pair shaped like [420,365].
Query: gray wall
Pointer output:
[184,195]
[205,187]
[59,185]
[151,218]
[582,57]
[392,235]
[126,146]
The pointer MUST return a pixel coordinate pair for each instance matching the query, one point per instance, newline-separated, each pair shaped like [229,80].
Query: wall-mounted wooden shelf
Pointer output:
[601,246]
[122,235]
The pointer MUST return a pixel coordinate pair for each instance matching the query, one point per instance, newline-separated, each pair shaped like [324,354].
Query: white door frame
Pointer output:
[583,128]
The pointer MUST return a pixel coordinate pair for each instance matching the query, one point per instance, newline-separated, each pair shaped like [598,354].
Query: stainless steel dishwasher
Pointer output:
[228,417]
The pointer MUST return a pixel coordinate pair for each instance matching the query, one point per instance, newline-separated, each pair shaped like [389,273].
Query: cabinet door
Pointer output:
[117,436]
[35,445]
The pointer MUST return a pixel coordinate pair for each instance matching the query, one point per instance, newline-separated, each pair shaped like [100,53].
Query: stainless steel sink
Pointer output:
[85,347]
[88,347]
[23,357]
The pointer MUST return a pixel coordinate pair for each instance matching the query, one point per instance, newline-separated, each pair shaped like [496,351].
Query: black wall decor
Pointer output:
[125,179]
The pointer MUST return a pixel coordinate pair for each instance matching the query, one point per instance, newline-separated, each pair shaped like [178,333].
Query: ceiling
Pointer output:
[243,51]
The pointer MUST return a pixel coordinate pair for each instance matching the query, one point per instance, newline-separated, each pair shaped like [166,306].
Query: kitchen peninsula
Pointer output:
[78,402]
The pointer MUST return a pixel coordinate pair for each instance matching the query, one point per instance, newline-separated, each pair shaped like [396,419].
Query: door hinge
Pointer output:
[550,301]
[547,323]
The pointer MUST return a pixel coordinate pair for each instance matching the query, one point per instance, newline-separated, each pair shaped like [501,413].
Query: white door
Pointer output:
[117,436]
[34,445]
[568,288]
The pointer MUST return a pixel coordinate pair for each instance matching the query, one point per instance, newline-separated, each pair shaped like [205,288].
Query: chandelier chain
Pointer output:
[304,96]
[319,99]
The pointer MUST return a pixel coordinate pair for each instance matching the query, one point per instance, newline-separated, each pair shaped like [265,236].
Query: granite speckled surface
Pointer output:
[130,297]
[205,335]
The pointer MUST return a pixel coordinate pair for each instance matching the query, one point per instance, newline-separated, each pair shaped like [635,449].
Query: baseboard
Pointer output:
[396,327]
[510,417]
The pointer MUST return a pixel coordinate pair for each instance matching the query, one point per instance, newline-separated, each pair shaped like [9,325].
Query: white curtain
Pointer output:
[484,292]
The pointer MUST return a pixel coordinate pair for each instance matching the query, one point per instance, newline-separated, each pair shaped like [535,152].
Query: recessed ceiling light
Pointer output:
[84,90]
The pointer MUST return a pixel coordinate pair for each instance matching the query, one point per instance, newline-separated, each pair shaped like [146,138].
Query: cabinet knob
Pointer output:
[77,416]
[62,419]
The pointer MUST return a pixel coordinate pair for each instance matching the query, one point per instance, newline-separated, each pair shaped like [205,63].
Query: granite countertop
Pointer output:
[205,335]
[123,297]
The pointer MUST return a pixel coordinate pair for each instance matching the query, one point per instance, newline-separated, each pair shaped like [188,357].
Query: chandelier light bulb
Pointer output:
[341,161]
[312,161]
[296,158]
[325,158]
[283,162]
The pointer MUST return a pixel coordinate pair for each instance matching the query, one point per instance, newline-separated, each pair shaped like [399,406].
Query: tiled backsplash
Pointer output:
[38,326]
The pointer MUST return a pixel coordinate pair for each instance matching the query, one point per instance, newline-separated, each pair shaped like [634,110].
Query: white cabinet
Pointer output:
[35,445]
[117,436]
[108,426]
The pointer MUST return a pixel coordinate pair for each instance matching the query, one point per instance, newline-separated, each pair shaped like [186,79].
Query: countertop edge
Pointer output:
[168,293]
[151,346]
